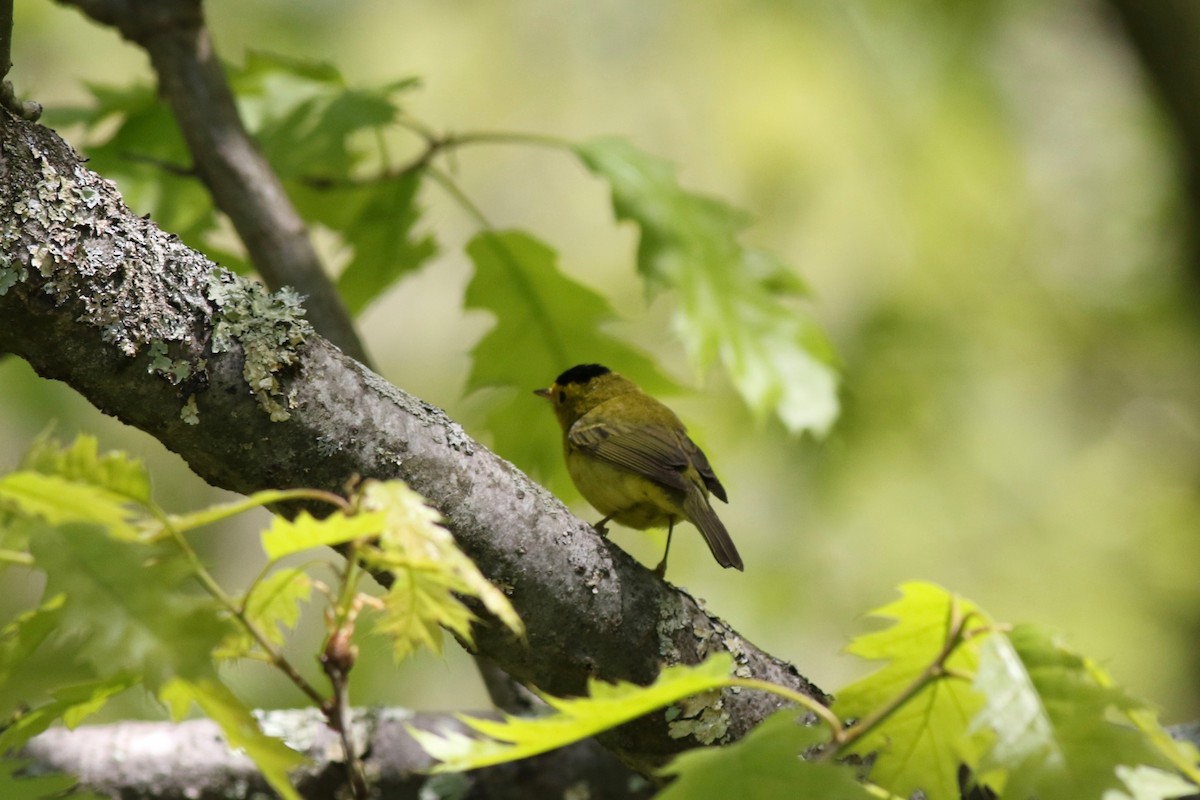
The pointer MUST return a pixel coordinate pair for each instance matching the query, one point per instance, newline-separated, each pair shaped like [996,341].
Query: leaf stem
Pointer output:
[803,700]
[199,519]
[211,586]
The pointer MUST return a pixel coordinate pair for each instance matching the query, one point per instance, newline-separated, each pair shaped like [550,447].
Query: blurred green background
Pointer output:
[985,201]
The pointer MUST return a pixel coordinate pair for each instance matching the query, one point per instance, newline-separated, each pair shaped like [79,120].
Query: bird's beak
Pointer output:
[542,393]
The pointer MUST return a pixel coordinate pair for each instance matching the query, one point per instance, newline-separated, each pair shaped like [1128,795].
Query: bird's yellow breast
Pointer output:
[635,501]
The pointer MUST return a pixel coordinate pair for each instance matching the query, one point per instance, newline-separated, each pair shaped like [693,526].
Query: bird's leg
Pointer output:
[602,526]
[661,569]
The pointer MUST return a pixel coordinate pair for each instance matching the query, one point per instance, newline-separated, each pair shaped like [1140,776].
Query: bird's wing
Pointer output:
[654,452]
[697,457]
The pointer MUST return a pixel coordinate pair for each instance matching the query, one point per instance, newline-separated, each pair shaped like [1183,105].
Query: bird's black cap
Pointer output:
[582,374]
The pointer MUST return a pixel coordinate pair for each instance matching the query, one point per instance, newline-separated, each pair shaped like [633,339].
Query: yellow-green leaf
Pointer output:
[57,500]
[412,540]
[921,744]
[607,706]
[82,462]
[207,516]
[416,608]
[285,536]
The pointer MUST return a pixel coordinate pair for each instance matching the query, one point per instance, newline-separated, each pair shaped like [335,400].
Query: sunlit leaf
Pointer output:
[1147,783]
[923,742]
[272,757]
[734,302]
[764,765]
[57,500]
[287,536]
[82,462]
[418,605]
[412,540]
[607,706]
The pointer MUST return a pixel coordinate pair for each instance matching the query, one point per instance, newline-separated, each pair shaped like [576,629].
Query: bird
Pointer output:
[632,459]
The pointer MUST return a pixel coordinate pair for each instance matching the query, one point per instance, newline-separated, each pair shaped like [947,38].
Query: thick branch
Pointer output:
[161,761]
[137,323]
[242,183]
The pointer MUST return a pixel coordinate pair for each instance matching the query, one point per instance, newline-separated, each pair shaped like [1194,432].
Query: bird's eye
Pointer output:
[562,396]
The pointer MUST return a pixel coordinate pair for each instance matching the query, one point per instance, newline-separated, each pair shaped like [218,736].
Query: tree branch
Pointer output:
[165,761]
[152,333]
[241,182]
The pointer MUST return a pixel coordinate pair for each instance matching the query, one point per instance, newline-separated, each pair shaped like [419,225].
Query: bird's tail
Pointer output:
[701,514]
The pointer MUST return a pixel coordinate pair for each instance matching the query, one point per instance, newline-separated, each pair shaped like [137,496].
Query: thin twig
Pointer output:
[435,145]
[337,659]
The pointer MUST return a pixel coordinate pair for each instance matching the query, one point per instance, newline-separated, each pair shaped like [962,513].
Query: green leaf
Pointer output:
[732,300]
[57,500]
[71,704]
[379,226]
[416,608]
[126,606]
[25,634]
[607,706]
[545,323]
[921,744]
[272,607]
[35,662]
[412,542]
[1048,720]
[14,786]
[764,765]
[308,123]
[82,462]
[306,118]
[272,757]
[285,536]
